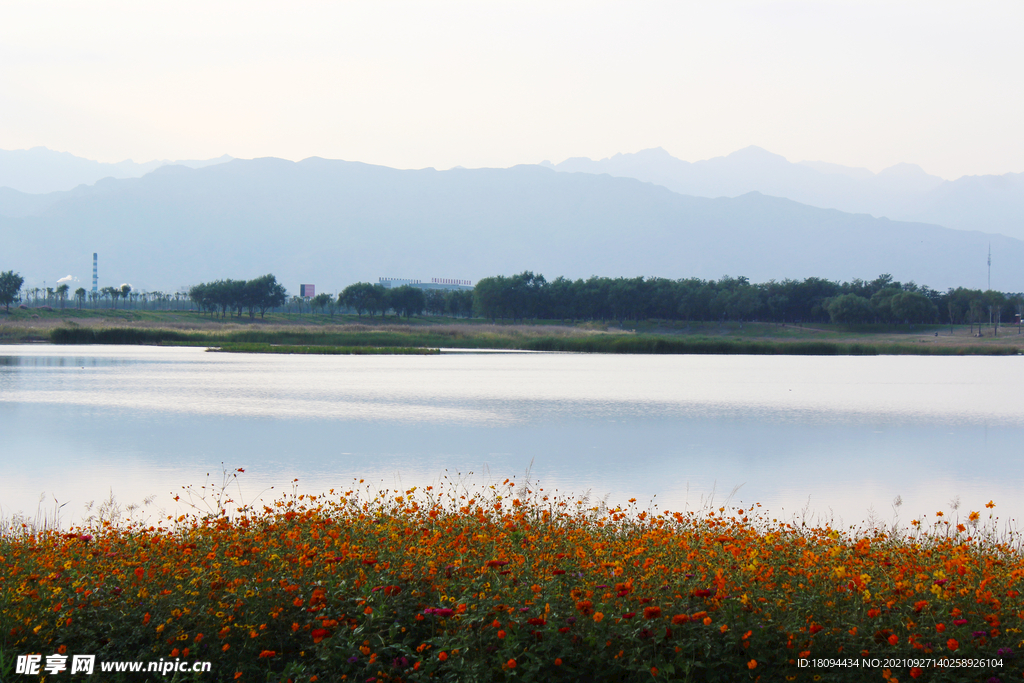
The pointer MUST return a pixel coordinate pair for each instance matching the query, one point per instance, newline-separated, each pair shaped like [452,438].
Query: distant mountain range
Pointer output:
[903,192]
[40,170]
[331,223]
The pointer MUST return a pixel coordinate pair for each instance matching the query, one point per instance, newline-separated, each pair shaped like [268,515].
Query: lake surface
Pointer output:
[837,437]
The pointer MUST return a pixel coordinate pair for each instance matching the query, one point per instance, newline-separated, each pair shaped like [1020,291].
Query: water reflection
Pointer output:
[845,434]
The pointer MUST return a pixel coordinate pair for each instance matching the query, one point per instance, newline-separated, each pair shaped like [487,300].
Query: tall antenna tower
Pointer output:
[94,280]
[990,266]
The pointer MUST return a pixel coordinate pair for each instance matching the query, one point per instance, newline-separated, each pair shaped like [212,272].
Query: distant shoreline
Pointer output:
[350,334]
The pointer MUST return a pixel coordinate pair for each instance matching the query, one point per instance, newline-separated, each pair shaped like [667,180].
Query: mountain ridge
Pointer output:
[900,192]
[332,222]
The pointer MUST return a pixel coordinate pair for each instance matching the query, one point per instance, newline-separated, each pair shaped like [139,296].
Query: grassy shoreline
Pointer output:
[505,583]
[163,327]
[297,341]
[289,349]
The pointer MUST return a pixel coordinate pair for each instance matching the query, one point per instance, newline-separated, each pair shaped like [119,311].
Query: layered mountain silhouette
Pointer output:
[41,170]
[903,192]
[331,223]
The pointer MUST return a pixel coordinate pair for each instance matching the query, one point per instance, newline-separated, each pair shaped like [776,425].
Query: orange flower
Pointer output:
[238,674]
[952,644]
[443,656]
[652,612]
[707,621]
[501,634]
[368,610]
[511,663]
[679,619]
[940,628]
[894,639]
[915,672]
[654,671]
[558,661]
[267,653]
[598,616]
[990,504]
[752,664]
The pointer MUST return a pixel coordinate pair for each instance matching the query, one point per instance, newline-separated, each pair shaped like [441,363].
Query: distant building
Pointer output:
[308,291]
[447,284]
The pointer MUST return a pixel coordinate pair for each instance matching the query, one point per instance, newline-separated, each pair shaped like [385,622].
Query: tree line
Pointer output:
[882,300]
[364,297]
[235,296]
[529,296]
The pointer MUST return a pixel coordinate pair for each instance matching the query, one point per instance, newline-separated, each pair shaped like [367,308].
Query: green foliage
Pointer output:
[260,294]
[851,309]
[10,285]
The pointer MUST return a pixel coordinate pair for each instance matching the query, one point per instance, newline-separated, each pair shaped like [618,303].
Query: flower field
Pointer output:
[503,583]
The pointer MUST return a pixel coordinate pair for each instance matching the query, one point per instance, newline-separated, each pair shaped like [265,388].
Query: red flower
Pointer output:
[319,634]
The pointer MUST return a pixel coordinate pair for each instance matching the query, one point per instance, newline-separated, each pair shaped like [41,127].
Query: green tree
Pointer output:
[913,307]
[125,290]
[80,297]
[322,300]
[850,309]
[264,293]
[10,285]
[62,294]
[358,297]
[407,300]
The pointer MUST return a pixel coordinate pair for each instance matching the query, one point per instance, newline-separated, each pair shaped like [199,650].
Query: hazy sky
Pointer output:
[482,83]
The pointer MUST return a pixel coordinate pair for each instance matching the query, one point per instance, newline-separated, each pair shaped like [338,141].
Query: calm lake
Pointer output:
[839,437]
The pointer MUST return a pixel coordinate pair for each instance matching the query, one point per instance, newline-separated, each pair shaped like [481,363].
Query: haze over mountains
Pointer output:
[40,170]
[332,223]
[903,192]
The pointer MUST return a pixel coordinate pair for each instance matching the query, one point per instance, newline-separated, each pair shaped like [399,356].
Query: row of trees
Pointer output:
[107,297]
[882,300]
[364,297]
[531,296]
[235,296]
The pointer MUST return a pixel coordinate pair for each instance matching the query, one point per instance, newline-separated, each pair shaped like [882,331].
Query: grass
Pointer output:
[506,582]
[324,350]
[533,339]
[157,327]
